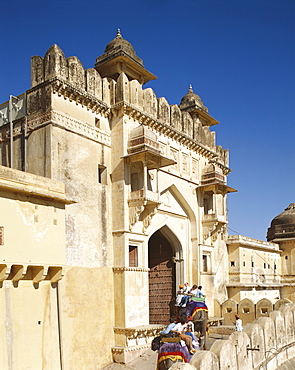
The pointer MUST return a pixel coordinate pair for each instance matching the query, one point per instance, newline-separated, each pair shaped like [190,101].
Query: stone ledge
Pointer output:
[123,355]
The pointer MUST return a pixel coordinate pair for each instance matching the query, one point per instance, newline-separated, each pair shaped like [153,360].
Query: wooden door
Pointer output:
[161,279]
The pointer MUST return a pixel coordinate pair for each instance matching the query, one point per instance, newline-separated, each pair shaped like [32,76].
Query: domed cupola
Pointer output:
[120,44]
[283,225]
[119,56]
[193,104]
[191,101]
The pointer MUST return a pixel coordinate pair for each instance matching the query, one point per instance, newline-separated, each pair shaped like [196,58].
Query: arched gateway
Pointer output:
[161,278]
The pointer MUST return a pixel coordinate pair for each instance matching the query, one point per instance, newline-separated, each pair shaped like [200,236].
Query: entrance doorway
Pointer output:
[161,279]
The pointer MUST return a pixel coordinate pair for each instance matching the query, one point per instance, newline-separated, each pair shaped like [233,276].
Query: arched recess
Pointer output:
[161,277]
[162,236]
[162,248]
[185,206]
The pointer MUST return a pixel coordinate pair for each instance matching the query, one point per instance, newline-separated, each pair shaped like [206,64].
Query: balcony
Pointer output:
[214,218]
[145,196]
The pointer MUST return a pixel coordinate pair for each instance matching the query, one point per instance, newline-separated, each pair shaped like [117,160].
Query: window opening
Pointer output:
[133,256]
[205,263]
[102,175]
[97,122]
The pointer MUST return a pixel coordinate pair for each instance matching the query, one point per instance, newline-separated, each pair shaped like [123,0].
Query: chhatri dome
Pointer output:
[119,44]
[191,101]
[120,57]
[283,225]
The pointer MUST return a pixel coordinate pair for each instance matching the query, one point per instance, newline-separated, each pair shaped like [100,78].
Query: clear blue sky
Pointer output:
[238,55]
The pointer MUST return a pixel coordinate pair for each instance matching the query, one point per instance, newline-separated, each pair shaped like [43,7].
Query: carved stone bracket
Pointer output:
[148,214]
[136,207]
[142,207]
[213,230]
[35,273]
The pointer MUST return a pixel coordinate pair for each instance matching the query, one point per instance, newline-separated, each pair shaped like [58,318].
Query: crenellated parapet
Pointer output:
[189,121]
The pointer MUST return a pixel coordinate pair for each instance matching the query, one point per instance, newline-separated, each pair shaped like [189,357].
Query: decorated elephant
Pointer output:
[169,353]
[197,312]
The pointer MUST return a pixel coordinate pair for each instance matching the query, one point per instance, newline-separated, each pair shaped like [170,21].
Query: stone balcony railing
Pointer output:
[214,217]
[144,195]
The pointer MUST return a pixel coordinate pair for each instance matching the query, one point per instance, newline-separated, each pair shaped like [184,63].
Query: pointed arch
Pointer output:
[185,206]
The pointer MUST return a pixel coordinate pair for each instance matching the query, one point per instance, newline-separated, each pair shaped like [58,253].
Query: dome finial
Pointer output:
[190,88]
[119,36]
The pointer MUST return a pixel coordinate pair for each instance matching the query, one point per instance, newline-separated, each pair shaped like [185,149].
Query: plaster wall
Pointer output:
[29,333]
[33,222]
[79,112]
[87,315]
[88,234]
[33,231]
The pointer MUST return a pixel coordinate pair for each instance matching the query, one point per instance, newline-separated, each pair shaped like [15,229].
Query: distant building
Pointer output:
[282,232]
[112,199]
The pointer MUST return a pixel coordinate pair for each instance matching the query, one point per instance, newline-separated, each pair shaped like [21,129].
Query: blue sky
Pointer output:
[238,55]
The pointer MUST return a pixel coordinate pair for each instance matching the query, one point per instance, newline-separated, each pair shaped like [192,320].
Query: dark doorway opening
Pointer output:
[161,279]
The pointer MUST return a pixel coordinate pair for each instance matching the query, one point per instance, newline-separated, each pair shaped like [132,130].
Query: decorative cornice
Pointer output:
[71,92]
[162,128]
[60,120]
[70,124]
[135,269]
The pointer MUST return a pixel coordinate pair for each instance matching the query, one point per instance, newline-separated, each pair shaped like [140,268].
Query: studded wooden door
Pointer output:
[161,278]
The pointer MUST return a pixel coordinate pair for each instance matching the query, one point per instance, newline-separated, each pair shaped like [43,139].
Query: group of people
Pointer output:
[185,330]
[185,292]
[183,327]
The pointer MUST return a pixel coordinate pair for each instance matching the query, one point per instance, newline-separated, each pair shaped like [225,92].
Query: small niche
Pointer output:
[246,310]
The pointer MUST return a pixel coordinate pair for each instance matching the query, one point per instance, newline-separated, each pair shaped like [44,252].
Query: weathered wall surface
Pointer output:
[29,330]
[87,317]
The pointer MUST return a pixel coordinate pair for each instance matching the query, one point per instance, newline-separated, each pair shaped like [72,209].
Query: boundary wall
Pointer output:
[265,344]
[247,309]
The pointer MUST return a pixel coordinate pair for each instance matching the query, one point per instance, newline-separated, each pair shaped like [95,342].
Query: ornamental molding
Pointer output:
[59,120]
[81,128]
[72,93]
[138,336]
[162,128]
[17,130]
[139,330]
[133,269]
[68,123]
[122,350]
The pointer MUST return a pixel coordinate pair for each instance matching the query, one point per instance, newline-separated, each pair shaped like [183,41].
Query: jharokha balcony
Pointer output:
[144,195]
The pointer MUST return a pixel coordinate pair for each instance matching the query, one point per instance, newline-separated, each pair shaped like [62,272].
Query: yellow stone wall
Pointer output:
[87,306]
[29,331]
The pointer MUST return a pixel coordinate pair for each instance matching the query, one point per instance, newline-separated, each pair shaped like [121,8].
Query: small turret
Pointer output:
[119,56]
